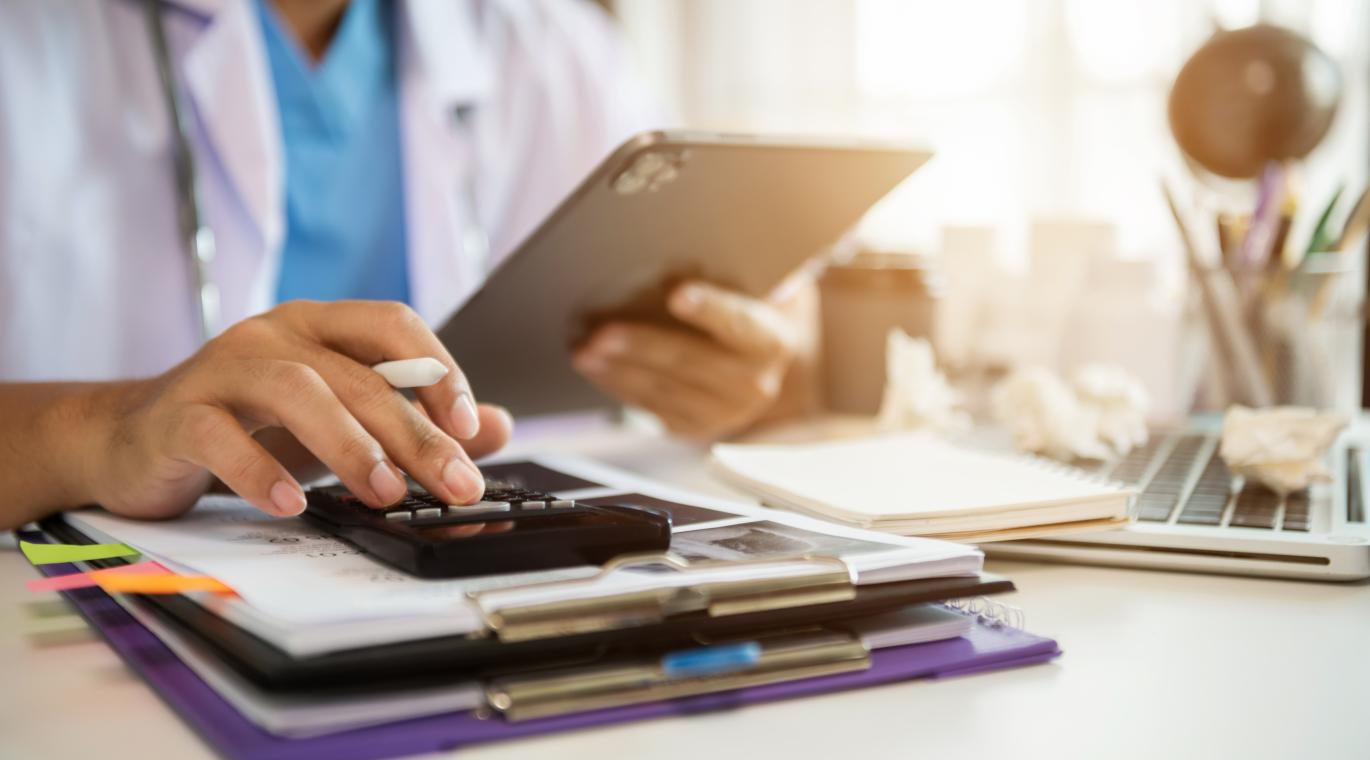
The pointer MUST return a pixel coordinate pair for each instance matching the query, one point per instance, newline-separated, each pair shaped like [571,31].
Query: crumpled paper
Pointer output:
[917,396]
[1120,402]
[1102,414]
[1281,447]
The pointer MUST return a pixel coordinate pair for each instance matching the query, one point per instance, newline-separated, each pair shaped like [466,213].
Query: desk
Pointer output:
[1156,665]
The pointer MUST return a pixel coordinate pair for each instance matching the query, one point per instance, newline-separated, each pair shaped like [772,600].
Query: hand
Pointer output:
[707,384]
[303,367]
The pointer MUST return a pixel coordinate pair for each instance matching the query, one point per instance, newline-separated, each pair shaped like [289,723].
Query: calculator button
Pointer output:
[420,514]
[539,504]
[481,506]
[561,504]
[398,515]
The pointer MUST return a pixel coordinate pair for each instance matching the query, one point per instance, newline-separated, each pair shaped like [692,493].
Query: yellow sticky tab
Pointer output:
[160,584]
[47,554]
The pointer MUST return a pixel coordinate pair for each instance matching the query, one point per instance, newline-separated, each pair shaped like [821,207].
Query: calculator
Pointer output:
[512,529]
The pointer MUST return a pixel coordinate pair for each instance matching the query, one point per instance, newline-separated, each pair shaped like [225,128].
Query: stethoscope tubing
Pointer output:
[198,238]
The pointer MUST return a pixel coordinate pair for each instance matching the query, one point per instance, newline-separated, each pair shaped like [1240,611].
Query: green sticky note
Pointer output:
[47,554]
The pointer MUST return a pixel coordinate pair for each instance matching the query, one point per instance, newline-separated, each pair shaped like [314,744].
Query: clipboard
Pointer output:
[580,631]
[777,659]
[988,647]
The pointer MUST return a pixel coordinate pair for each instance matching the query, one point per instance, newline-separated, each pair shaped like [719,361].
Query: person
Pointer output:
[341,154]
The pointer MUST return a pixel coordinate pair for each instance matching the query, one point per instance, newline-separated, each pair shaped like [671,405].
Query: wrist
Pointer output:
[77,436]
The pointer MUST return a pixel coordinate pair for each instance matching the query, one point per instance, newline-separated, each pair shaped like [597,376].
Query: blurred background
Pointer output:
[1040,224]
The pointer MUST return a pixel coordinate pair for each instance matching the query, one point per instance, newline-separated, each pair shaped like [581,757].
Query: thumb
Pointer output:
[747,325]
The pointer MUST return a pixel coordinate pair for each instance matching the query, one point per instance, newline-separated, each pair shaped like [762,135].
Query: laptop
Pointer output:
[1192,514]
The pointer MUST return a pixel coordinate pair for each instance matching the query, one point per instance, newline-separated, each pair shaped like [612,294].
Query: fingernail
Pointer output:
[287,498]
[465,419]
[386,484]
[589,363]
[611,343]
[463,480]
[687,298]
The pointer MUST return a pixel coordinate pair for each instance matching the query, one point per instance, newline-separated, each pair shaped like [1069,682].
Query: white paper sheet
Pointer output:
[309,593]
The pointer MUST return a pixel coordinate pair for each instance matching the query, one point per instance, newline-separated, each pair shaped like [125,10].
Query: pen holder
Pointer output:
[1305,329]
[1319,329]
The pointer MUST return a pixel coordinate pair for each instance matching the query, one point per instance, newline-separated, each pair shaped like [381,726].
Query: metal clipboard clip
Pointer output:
[829,581]
[782,658]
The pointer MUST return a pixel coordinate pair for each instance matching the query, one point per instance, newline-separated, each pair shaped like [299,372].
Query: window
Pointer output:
[1035,107]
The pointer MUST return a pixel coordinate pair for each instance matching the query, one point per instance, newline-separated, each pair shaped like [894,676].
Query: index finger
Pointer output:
[742,323]
[372,332]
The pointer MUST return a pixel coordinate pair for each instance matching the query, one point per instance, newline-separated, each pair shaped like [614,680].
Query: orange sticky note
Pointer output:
[92,577]
[160,584]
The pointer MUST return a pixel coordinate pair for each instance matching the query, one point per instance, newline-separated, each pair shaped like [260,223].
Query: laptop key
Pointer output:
[1155,507]
[1256,507]
[1296,514]
[1201,516]
[1210,495]
[1132,467]
[1253,520]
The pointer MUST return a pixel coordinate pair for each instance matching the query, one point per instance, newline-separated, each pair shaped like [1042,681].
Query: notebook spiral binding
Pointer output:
[990,612]
[1067,469]
[1074,471]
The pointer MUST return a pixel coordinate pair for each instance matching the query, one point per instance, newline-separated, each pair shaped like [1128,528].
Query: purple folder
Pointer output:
[233,736]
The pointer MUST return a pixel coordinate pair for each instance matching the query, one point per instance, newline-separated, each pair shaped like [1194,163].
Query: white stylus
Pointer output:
[412,373]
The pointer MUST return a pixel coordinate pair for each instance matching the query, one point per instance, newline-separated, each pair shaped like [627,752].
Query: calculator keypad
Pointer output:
[420,508]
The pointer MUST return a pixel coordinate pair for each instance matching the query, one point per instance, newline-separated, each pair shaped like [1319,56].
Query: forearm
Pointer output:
[49,438]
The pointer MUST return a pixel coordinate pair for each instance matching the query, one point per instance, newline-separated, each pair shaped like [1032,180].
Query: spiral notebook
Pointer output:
[919,484]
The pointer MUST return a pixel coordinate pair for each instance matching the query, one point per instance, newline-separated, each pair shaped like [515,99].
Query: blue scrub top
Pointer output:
[344,183]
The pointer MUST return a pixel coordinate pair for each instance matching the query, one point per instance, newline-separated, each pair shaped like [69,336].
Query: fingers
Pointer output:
[739,322]
[410,438]
[295,396]
[685,409]
[691,358]
[305,367]
[496,428]
[371,332]
[211,438]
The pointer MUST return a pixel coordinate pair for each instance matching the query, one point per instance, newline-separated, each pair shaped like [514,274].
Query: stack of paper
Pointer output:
[919,484]
[313,599]
[308,593]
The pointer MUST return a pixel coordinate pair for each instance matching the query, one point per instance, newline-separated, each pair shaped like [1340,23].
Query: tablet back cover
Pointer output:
[734,210]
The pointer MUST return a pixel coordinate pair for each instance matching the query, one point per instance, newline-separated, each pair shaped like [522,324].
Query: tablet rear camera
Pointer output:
[649,171]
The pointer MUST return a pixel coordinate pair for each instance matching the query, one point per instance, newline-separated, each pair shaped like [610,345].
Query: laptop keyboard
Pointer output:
[1208,500]
[1167,485]
[1171,486]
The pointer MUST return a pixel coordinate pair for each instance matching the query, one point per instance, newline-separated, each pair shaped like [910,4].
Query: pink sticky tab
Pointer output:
[92,577]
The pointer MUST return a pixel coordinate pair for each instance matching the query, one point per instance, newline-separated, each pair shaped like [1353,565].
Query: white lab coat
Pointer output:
[94,279]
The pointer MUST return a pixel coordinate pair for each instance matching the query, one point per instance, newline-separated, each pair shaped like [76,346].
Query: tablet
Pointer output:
[737,210]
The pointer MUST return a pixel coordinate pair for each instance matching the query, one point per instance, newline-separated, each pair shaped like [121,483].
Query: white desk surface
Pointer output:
[1156,665]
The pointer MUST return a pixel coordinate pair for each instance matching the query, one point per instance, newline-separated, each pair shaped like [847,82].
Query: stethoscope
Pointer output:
[198,238]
